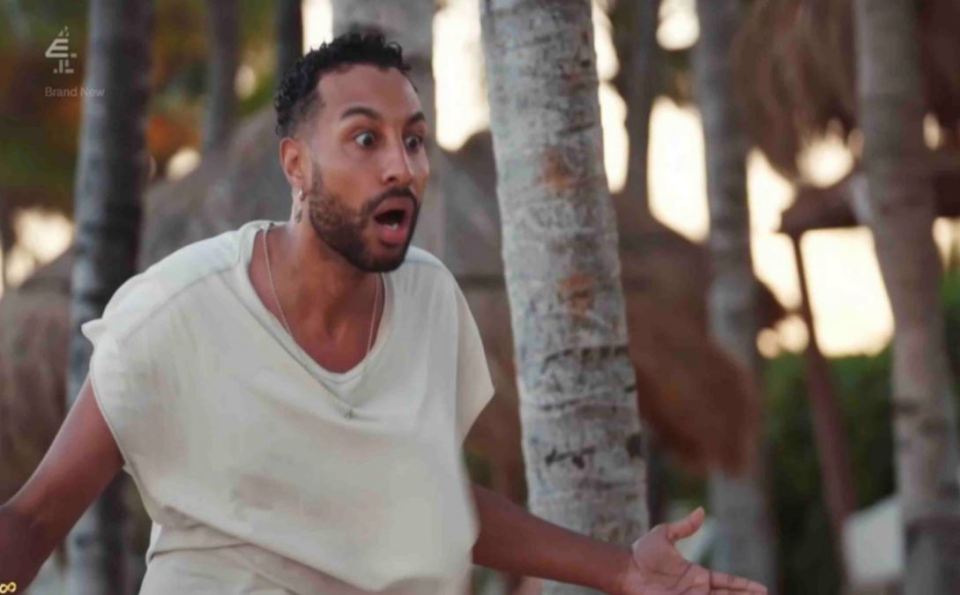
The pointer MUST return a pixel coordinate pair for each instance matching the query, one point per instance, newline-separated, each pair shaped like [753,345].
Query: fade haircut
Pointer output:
[297,96]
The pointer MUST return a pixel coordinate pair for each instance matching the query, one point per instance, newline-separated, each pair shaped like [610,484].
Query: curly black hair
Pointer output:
[297,94]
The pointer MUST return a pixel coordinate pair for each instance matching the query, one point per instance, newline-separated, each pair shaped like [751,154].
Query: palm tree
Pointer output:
[223,18]
[111,175]
[581,432]
[7,239]
[409,23]
[289,34]
[744,544]
[898,205]
[635,39]
[634,32]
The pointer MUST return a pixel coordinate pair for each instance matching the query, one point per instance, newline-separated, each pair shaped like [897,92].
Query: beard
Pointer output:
[341,228]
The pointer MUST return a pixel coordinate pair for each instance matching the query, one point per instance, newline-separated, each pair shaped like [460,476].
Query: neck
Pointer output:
[321,290]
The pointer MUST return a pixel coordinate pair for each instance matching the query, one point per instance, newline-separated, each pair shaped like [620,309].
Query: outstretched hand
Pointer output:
[657,568]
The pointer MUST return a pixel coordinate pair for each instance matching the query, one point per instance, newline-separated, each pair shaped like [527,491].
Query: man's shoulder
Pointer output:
[148,295]
[196,261]
[422,269]
[419,260]
[424,284]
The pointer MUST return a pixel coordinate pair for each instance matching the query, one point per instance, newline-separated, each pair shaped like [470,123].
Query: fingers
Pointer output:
[722,584]
[686,527]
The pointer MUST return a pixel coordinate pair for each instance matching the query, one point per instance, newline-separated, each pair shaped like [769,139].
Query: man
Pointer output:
[291,400]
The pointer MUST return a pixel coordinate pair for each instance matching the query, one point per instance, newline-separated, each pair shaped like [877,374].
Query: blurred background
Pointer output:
[213,166]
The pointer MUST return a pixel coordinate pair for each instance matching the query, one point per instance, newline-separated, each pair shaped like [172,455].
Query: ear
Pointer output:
[295,162]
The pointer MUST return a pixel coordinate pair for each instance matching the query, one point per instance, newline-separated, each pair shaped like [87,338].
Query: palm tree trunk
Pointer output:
[635,40]
[634,34]
[897,203]
[581,432]
[223,18]
[111,174]
[744,544]
[289,34]
[409,23]
[8,239]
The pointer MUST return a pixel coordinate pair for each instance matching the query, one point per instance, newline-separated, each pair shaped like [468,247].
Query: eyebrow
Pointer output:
[416,118]
[359,110]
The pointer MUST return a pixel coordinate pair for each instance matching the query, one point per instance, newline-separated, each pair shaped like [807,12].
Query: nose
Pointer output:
[397,167]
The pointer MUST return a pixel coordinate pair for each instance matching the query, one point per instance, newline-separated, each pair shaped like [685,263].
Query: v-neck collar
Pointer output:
[332,381]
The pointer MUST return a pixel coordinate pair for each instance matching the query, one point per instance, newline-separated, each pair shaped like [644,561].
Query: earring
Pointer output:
[298,210]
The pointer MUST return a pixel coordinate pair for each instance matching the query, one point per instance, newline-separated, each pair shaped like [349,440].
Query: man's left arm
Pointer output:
[516,542]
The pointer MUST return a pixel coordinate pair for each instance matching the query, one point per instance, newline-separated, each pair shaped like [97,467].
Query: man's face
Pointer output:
[369,165]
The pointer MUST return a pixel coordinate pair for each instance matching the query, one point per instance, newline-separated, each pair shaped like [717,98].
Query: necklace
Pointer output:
[286,326]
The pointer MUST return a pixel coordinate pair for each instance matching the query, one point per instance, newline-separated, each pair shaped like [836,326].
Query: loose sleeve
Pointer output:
[474,384]
[107,373]
[126,383]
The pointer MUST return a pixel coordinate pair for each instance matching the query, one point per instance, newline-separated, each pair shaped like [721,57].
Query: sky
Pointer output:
[851,310]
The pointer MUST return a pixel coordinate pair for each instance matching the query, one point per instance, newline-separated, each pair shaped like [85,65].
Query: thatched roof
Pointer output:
[34,332]
[832,207]
[224,192]
[795,72]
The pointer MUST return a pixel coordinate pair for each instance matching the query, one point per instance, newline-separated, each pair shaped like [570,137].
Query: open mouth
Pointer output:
[393,219]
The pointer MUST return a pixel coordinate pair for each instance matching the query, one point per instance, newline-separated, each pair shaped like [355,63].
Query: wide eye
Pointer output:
[365,139]
[413,142]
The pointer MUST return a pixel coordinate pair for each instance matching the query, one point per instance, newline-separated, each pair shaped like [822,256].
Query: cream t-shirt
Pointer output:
[263,472]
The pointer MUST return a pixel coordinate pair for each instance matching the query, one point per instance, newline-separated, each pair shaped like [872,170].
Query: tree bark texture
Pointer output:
[581,432]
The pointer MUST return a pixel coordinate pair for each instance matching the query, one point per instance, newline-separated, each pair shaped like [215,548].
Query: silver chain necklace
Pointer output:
[283,316]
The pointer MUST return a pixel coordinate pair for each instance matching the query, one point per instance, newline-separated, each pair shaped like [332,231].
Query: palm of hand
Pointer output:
[657,568]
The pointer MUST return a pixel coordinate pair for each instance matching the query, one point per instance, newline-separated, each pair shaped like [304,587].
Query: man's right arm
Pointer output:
[78,466]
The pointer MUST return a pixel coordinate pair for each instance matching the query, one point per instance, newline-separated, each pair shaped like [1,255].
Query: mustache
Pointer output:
[391,193]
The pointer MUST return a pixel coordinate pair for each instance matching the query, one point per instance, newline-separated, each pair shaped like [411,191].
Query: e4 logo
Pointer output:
[10,587]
